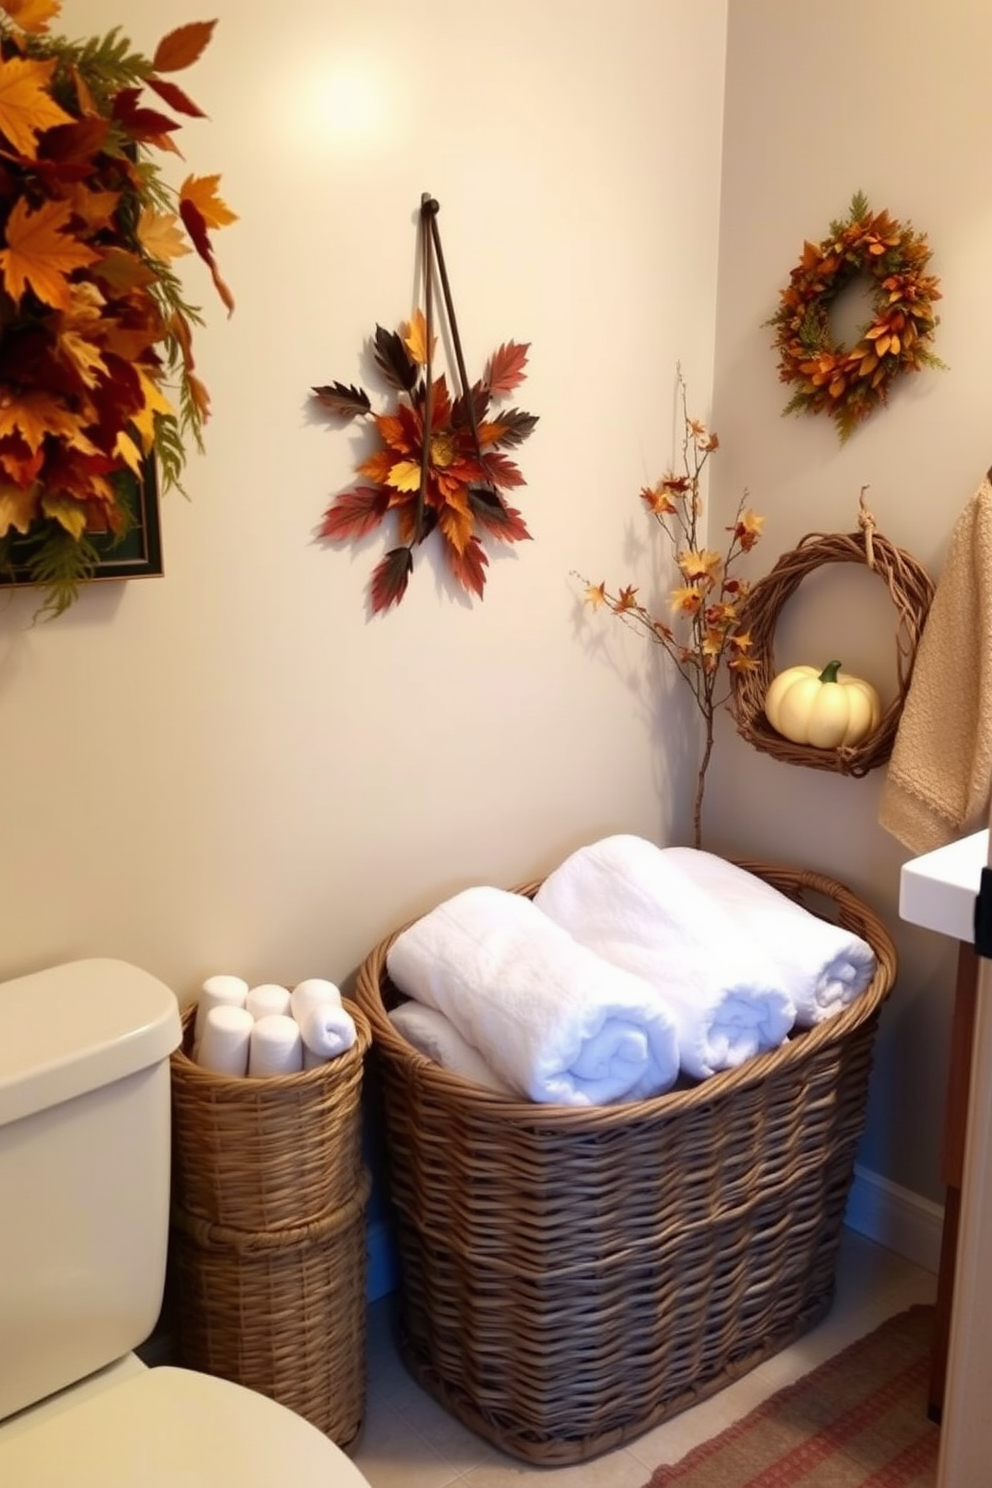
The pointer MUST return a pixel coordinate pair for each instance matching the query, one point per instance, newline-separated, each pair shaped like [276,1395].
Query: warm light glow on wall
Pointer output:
[345,103]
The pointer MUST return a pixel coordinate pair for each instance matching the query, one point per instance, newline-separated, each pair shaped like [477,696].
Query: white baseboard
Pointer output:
[381,1274]
[895,1217]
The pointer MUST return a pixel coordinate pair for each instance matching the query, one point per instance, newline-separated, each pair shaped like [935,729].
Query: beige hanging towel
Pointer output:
[940,775]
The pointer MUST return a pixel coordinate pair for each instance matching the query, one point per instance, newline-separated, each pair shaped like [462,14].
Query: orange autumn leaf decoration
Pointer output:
[455,486]
[848,383]
[41,252]
[27,107]
[33,16]
[96,356]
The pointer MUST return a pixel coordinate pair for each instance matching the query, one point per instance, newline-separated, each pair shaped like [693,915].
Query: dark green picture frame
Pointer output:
[136,554]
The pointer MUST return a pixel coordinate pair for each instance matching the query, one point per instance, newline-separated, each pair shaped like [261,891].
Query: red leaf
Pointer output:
[502,471]
[468,566]
[197,229]
[79,141]
[492,514]
[143,124]
[355,513]
[390,579]
[176,98]
[506,367]
[182,47]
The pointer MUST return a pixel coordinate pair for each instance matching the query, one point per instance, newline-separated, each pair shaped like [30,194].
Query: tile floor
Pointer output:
[408,1441]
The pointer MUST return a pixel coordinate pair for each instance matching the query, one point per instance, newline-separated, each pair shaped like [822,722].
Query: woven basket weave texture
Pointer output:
[281,1312]
[267,1253]
[571,1278]
[262,1154]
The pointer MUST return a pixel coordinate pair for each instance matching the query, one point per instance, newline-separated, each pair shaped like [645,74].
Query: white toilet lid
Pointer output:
[166,1427]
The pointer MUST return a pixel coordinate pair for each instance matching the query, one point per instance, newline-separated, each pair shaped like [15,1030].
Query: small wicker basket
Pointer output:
[281,1312]
[267,1154]
[571,1278]
[267,1241]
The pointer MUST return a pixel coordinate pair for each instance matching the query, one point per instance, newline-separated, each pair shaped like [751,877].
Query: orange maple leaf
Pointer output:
[27,108]
[377,466]
[202,192]
[35,414]
[39,253]
[160,234]
[22,469]
[32,16]
[18,508]
[95,208]
[84,355]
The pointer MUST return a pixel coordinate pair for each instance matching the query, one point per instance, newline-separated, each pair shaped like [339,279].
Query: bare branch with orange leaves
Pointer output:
[702,632]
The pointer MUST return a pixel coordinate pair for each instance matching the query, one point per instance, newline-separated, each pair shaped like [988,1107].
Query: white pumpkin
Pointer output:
[827,709]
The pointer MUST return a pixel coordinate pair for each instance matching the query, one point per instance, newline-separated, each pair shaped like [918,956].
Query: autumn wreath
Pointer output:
[850,383]
[95,332]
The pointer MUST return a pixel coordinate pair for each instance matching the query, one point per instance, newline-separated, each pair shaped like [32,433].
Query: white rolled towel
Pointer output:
[556,1022]
[311,993]
[825,967]
[328,1030]
[635,907]
[266,999]
[433,1034]
[223,1048]
[218,991]
[275,1047]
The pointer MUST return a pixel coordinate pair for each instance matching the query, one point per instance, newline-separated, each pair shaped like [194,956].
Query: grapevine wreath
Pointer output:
[911,590]
[850,383]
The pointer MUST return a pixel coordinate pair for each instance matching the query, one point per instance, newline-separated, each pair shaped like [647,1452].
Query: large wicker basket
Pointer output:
[267,1154]
[571,1278]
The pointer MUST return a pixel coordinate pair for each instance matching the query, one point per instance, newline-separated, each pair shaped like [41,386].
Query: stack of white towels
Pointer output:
[632,965]
[269,1029]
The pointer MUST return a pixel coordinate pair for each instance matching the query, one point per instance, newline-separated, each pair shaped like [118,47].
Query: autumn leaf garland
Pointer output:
[452,482]
[96,337]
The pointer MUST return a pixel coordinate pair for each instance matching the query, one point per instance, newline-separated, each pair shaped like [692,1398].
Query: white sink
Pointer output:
[938,890]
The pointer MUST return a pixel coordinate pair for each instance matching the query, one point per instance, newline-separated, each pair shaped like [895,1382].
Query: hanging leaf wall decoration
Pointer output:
[97,379]
[439,464]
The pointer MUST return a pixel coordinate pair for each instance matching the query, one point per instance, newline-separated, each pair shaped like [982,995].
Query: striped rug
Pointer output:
[858,1421]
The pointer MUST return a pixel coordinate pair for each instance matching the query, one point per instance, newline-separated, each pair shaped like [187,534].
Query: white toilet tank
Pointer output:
[84,1170]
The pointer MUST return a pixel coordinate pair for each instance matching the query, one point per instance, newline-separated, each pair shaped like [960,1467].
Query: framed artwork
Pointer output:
[137,553]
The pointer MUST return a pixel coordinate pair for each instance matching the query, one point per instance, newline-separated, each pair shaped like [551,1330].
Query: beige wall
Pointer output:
[890,99]
[233,767]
